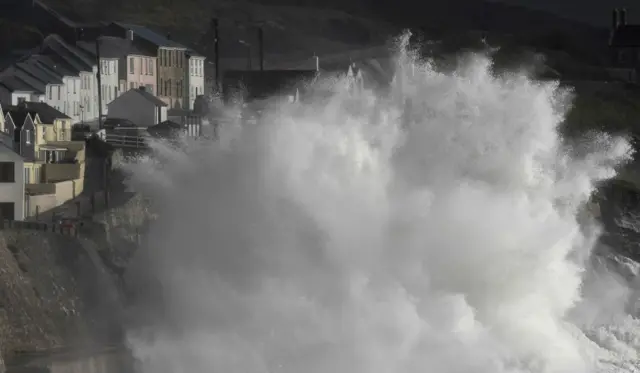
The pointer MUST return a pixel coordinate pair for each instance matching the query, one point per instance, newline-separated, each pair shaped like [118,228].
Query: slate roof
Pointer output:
[38,86]
[38,73]
[113,47]
[54,65]
[20,115]
[263,84]
[626,36]
[74,57]
[46,112]
[151,36]
[13,84]
[153,99]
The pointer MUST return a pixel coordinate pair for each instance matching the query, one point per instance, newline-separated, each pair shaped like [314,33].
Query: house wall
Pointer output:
[55,94]
[89,95]
[32,173]
[135,108]
[141,71]
[38,204]
[13,192]
[72,97]
[173,77]
[196,79]
[62,130]
[28,139]
[109,81]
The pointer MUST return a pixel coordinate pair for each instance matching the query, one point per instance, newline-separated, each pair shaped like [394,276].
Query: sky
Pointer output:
[595,12]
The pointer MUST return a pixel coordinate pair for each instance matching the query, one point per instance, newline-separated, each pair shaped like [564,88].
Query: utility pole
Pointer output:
[98,74]
[214,23]
[261,47]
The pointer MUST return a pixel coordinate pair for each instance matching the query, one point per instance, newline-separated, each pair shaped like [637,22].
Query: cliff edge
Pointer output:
[54,292]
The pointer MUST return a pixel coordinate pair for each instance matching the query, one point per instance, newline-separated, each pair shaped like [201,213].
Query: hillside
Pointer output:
[54,292]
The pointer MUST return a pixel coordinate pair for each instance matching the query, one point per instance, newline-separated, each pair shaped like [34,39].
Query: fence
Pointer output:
[59,228]
[121,140]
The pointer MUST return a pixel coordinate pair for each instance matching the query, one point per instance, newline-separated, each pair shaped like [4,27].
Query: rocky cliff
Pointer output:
[54,292]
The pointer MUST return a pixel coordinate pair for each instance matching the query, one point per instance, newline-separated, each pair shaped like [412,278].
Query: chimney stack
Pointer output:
[614,19]
[169,35]
[130,34]
[622,17]
[317,60]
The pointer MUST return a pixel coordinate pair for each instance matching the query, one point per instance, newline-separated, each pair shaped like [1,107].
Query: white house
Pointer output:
[12,200]
[140,107]
[196,77]
[75,65]
[53,85]
[109,81]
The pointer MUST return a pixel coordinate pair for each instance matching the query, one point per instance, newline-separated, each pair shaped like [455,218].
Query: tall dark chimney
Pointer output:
[622,17]
[261,47]
[216,50]
[614,19]
[169,35]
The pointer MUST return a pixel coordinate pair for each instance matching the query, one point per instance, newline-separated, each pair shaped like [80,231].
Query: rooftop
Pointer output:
[47,113]
[156,101]
[37,72]
[14,84]
[54,45]
[112,47]
[53,64]
[20,115]
[151,36]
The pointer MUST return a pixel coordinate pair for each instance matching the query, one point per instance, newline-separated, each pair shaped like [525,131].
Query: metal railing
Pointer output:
[122,140]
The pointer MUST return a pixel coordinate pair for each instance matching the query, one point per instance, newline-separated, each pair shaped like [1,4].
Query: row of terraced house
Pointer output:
[64,74]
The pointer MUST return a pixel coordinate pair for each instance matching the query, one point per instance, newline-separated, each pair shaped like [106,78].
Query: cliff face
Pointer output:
[54,292]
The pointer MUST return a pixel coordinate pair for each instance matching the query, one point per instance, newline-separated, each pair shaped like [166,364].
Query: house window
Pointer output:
[160,88]
[7,172]
[27,136]
[131,65]
[143,67]
[59,95]
[131,85]
[7,210]
[27,175]
[21,100]
[169,87]
[151,63]
[36,175]
[115,92]
[149,88]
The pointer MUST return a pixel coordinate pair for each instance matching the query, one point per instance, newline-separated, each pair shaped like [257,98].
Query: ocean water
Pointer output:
[437,226]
